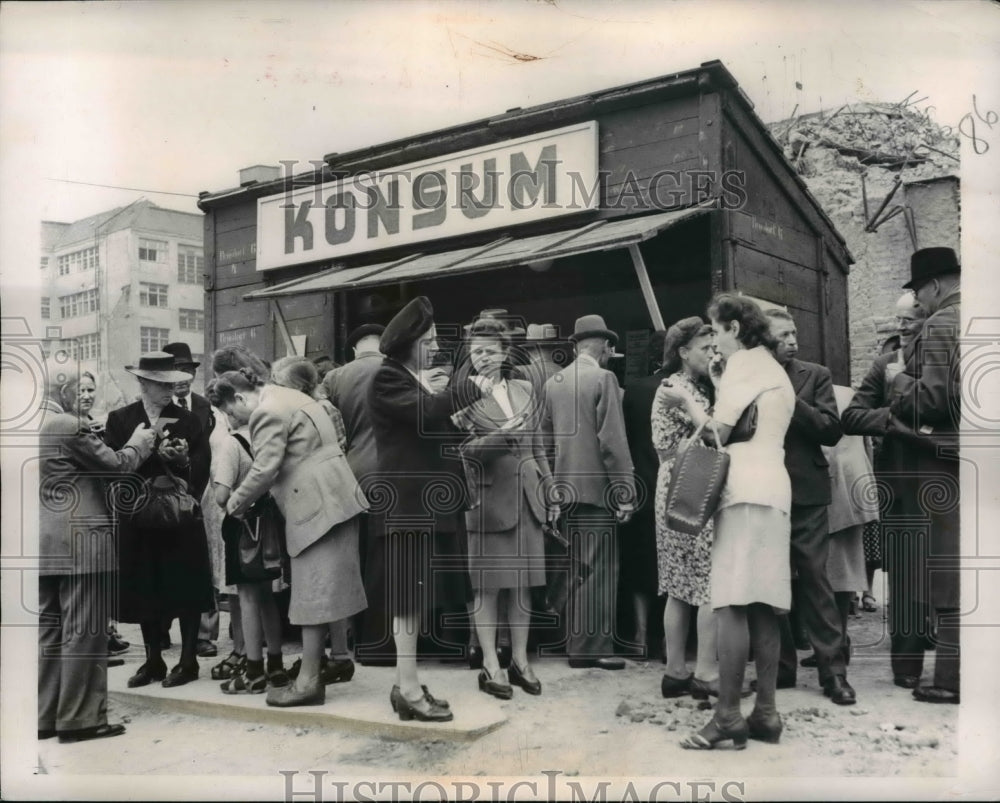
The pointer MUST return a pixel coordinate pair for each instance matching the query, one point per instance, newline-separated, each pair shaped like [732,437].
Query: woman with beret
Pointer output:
[751,573]
[164,572]
[412,425]
[297,458]
[76,563]
[508,474]
[684,561]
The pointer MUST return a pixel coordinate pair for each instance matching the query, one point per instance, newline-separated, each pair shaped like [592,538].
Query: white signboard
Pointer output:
[540,176]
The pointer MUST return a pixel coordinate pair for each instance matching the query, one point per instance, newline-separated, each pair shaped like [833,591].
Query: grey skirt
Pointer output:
[326,578]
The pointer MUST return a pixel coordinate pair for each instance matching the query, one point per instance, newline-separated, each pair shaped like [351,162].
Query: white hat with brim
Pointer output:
[158,366]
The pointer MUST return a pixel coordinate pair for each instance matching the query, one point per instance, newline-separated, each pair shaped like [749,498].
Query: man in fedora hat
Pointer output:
[926,398]
[347,389]
[583,419]
[186,399]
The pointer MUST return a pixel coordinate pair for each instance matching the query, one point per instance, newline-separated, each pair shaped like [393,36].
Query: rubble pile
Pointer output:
[852,159]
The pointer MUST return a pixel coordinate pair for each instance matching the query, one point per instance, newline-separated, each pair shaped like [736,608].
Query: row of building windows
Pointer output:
[85,259]
[88,347]
[77,304]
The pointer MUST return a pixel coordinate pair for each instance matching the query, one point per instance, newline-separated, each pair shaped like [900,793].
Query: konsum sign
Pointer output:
[541,176]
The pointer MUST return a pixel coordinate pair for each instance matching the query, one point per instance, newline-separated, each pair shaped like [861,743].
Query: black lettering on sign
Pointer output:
[473,207]
[430,191]
[527,182]
[340,234]
[384,210]
[297,225]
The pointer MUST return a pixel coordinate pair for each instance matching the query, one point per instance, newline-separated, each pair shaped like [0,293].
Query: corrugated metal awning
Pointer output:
[505,252]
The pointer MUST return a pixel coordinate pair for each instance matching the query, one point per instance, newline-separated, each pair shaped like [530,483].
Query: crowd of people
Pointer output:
[507,481]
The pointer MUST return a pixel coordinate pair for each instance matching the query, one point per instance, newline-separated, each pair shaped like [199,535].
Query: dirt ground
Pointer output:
[586,723]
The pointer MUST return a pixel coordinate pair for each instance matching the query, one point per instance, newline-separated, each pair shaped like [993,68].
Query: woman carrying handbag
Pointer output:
[750,574]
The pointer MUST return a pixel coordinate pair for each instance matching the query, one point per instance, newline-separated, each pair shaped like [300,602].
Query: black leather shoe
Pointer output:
[613,662]
[46,734]
[115,662]
[206,649]
[117,645]
[86,734]
[395,694]
[180,675]
[337,670]
[935,694]
[765,728]
[148,673]
[840,691]
[493,686]
[517,678]
[675,687]
[810,661]
[422,710]
[906,681]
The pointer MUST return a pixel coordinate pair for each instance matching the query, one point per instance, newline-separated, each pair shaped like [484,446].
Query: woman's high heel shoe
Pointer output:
[395,694]
[423,710]
[494,687]
[765,727]
[714,733]
[519,678]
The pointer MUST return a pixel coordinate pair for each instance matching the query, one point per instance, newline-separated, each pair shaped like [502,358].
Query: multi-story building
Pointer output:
[121,283]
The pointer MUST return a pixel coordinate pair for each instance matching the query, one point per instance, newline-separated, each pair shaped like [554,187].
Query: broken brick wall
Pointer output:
[886,144]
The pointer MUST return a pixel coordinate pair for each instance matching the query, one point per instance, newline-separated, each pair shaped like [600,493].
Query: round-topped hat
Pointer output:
[409,323]
[158,366]
[365,330]
[592,326]
[928,263]
[182,355]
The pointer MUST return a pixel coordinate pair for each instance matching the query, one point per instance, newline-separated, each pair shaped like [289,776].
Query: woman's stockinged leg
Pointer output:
[707,667]
[766,637]
[252,630]
[519,616]
[405,628]
[189,623]
[676,620]
[486,628]
[236,620]
[734,646]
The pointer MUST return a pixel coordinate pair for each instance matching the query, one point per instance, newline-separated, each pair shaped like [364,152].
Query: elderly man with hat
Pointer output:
[347,389]
[163,572]
[420,480]
[926,398]
[186,399]
[583,419]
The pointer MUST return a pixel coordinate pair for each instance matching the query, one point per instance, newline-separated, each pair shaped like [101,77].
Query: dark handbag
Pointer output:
[696,484]
[166,503]
[260,544]
[746,426]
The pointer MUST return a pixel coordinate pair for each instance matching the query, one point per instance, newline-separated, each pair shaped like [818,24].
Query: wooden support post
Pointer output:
[647,288]
[282,328]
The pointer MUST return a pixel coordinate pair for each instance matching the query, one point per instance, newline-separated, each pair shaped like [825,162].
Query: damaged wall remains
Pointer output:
[874,149]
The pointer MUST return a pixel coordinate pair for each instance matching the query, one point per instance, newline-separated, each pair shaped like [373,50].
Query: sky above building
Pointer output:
[158,97]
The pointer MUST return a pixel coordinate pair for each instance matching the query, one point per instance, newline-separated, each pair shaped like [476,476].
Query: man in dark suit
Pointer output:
[926,397]
[347,389]
[583,418]
[186,399]
[638,571]
[868,414]
[421,488]
[815,423]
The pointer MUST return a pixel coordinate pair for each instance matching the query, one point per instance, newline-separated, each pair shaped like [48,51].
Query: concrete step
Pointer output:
[360,706]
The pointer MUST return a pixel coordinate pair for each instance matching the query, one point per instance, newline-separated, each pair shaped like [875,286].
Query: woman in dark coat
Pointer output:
[76,564]
[163,573]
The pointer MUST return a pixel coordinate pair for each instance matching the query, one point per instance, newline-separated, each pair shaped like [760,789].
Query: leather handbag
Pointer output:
[167,504]
[746,426]
[696,483]
[262,534]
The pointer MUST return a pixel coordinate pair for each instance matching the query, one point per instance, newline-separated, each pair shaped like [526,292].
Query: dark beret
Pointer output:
[410,322]
[365,330]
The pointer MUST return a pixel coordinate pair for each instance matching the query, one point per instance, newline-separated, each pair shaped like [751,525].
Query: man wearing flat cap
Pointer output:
[421,482]
[926,398]
[347,389]
[583,419]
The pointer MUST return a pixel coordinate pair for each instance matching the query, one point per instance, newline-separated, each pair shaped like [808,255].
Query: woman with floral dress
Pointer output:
[683,560]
